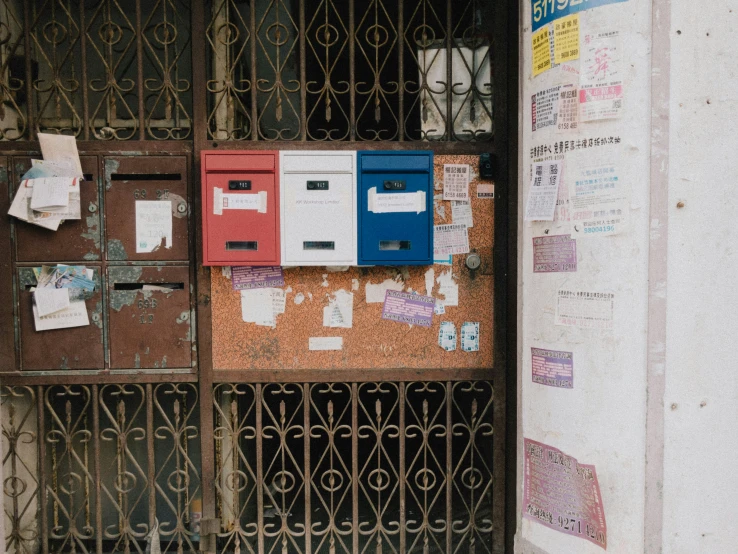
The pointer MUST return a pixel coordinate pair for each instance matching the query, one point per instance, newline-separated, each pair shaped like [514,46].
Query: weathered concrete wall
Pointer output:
[655,399]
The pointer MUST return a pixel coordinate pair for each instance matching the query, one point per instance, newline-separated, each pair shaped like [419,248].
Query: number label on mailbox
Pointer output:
[317,185]
[239,185]
[394,185]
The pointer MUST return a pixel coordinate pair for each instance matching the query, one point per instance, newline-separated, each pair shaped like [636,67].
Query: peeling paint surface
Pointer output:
[116,250]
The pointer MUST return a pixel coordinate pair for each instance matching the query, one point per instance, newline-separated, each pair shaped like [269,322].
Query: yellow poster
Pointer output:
[566,39]
[541,52]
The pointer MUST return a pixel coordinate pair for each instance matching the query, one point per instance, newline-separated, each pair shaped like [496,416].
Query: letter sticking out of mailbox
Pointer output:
[240,207]
[395,207]
[318,207]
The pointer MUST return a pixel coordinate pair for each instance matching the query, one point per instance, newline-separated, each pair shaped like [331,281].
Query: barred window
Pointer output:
[276,70]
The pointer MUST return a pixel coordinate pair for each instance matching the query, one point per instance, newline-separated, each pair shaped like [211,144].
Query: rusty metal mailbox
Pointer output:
[74,240]
[150,317]
[131,181]
[75,348]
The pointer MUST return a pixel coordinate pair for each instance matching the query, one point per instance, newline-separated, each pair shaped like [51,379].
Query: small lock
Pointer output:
[473,261]
[182,207]
[92,208]
[184,316]
[95,317]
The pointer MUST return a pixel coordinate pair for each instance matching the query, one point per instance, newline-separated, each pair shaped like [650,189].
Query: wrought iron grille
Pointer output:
[102,69]
[276,70]
[367,467]
[91,468]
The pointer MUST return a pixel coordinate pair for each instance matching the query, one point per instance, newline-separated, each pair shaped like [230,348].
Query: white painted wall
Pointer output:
[701,395]
[655,402]
[602,420]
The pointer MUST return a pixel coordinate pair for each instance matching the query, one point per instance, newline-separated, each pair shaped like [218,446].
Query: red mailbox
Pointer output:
[240,207]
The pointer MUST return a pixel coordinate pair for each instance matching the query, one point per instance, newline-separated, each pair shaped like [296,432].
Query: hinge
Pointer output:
[209,529]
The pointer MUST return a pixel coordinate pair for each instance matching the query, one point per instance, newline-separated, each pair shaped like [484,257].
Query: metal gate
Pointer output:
[112,430]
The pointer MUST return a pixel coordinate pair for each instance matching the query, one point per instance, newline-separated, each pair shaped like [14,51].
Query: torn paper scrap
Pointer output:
[153,223]
[250,277]
[61,148]
[585,309]
[226,271]
[279,301]
[340,310]
[404,307]
[450,239]
[461,213]
[429,280]
[50,300]
[257,306]
[376,293]
[439,308]
[395,202]
[325,343]
[456,181]
[448,288]
[447,336]
[51,192]
[73,316]
[443,260]
[470,336]
[543,191]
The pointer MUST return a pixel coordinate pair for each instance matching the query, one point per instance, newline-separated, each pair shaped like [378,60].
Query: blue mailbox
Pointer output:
[395,207]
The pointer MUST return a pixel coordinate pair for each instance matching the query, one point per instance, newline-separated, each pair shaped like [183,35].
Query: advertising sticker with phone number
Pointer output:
[563,494]
[545,11]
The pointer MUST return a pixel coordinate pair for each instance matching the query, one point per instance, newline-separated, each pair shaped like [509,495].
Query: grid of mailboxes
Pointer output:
[299,208]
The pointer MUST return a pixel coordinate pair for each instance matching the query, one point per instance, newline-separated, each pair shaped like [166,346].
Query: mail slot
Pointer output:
[70,348]
[240,206]
[150,317]
[395,208]
[318,207]
[146,208]
[76,239]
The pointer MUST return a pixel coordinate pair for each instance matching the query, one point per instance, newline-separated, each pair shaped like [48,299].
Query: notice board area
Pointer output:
[371,342]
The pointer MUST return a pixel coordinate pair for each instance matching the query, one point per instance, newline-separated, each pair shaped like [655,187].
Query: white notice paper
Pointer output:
[73,316]
[599,201]
[52,192]
[395,202]
[340,310]
[325,343]
[50,300]
[584,309]
[450,239]
[61,148]
[153,223]
[257,306]
[461,212]
[455,182]
[544,189]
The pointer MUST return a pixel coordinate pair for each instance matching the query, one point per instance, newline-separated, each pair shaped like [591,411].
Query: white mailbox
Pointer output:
[318,203]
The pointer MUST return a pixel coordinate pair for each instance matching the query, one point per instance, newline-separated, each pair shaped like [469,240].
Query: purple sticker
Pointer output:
[563,494]
[553,368]
[405,307]
[249,277]
[554,254]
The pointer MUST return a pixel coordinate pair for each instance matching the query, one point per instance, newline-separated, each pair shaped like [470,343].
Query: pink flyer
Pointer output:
[563,494]
[247,277]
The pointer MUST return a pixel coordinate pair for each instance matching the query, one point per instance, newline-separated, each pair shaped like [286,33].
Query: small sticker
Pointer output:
[486,192]
[541,52]
[552,368]
[439,308]
[585,309]
[450,239]
[247,277]
[470,336]
[447,336]
[153,223]
[554,254]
